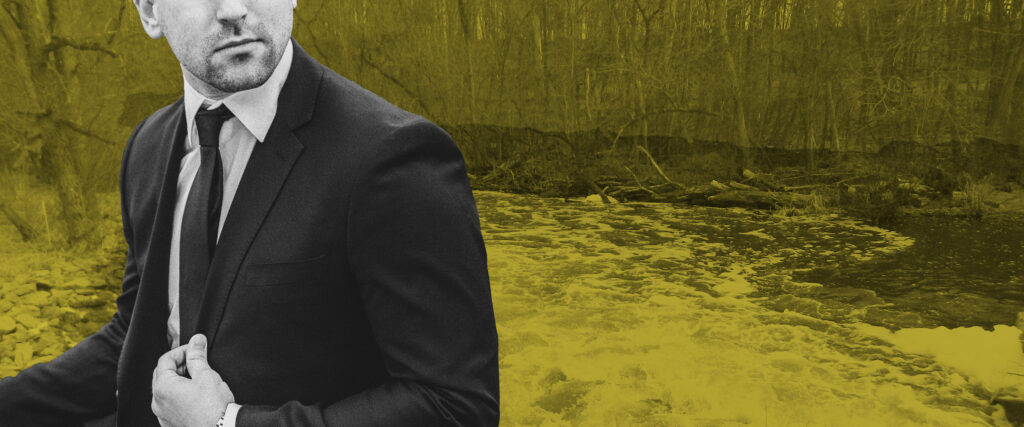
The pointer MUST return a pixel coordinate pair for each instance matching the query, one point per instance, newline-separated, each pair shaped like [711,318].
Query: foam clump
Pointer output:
[993,358]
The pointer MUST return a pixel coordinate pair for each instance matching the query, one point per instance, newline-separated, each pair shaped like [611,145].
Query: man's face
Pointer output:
[231,45]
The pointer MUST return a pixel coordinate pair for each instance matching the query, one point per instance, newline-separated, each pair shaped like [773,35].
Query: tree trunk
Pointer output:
[833,118]
[743,138]
[24,228]
[1003,97]
[60,167]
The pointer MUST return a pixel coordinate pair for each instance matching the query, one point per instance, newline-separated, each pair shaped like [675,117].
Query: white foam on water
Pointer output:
[993,358]
[605,318]
[734,282]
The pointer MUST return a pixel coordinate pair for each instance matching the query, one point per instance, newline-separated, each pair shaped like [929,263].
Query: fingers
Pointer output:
[168,363]
[195,356]
[171,360]
[166,372]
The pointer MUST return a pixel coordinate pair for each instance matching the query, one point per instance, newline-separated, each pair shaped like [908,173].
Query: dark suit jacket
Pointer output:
[349,286]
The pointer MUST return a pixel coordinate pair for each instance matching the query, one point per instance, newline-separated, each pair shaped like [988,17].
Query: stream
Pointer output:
[659,314]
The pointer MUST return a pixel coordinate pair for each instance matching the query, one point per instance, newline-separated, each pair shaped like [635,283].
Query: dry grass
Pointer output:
[979,194]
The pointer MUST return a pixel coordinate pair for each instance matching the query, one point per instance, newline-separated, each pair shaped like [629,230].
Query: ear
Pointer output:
[150,20]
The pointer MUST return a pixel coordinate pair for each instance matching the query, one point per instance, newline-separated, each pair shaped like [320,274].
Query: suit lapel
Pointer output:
[146,339]
[264,176]
[268,168]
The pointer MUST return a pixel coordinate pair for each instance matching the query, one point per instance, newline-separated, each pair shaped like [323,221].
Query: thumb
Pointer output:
[195,356]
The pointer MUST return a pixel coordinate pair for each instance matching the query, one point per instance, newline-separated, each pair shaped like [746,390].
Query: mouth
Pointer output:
[236,43]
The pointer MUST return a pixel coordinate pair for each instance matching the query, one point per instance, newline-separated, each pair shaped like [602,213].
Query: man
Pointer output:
[316,249]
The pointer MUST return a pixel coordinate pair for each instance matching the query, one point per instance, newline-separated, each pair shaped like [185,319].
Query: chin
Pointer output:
[242,76]
[241,83]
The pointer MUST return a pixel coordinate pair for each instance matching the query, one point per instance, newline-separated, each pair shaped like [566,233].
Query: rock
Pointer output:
[22,289]
[54,350]
[78,283]
[22,354]
[50,312]
[39,298]
[596,198]
[28,321]
[45,341]
[7,325]
[89,328]
[71,316]
[18,309]
[85,301]
[7,366]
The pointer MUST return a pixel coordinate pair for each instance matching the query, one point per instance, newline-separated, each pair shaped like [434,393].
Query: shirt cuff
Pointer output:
[231,414]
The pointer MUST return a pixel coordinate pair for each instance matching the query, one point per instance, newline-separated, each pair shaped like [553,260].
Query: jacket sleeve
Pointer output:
[80,384]
[418,256]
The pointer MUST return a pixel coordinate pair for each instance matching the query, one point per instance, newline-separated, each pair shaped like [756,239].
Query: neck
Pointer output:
[204,88]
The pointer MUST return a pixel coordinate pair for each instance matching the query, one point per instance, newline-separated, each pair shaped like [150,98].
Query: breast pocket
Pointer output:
[310,271]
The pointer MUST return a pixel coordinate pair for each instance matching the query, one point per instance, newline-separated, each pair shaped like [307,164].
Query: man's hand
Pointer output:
[182,402]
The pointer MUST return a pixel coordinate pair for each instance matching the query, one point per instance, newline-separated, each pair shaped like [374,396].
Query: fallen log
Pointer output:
[762,181]
[656,167]
[719,185]
[757,199]
[739,186]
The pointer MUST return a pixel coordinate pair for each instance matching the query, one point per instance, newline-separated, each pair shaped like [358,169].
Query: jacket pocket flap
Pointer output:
[307,271]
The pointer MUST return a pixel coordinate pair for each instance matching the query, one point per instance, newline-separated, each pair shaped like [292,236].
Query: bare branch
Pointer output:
[8,24]
[113,27]
[658,168]
[315,41]
[640,184]
[24,227]
[58,42]
[396,82]
[645,115]
[83,131]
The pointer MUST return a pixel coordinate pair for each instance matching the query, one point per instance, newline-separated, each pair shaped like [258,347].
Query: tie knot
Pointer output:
[209,123]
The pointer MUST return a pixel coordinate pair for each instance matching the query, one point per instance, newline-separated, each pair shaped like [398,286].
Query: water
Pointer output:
[653,314]
[958,273]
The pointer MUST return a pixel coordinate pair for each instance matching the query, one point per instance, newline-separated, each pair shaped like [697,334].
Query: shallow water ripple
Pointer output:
[653,314]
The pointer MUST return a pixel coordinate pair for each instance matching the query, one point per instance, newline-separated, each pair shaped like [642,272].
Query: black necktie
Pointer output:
[199,223]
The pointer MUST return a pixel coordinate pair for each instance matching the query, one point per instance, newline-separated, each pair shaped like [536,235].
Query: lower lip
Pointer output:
[243,46]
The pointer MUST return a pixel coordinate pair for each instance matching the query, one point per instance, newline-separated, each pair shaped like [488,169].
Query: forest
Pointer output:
[552,96]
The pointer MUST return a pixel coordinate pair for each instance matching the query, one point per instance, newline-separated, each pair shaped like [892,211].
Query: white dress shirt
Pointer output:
[254,111]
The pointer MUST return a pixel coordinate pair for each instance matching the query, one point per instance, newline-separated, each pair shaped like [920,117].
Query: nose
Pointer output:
[231,10]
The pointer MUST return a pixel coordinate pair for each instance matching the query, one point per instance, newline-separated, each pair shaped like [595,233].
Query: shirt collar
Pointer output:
[255,108]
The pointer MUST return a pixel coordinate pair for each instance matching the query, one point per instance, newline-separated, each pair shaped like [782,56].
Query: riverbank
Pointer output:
[662,314]
[876,198]
[900,178]
[52,298]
